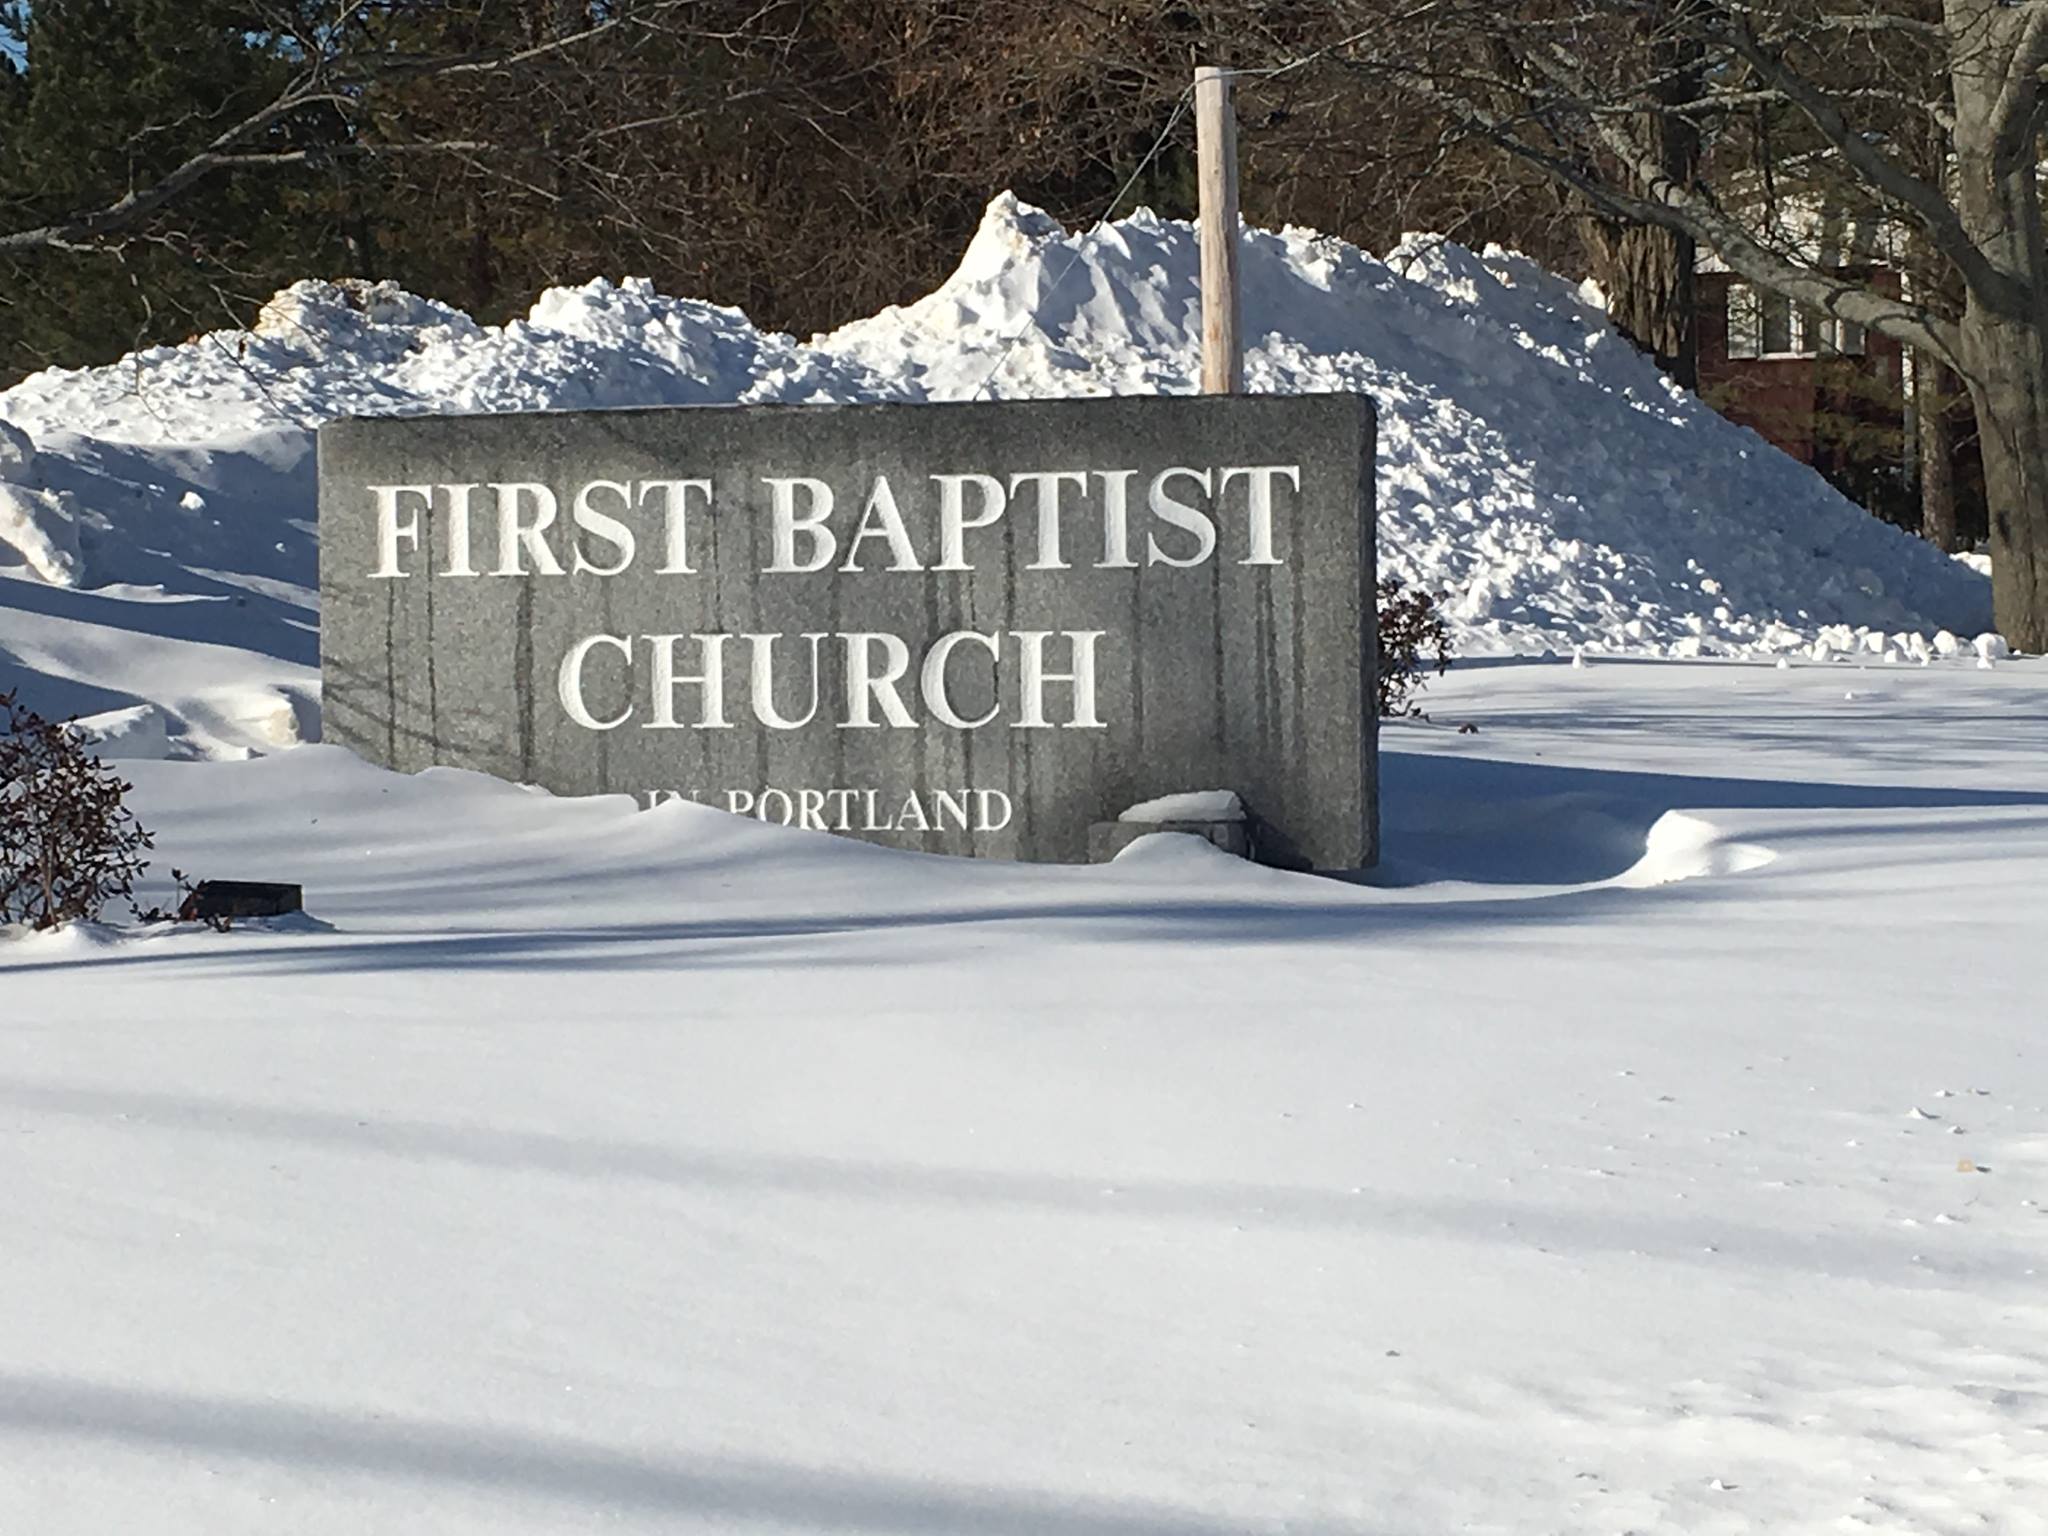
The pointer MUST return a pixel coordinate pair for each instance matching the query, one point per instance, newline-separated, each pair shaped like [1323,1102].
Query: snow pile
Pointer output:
[1534,468]
[321,350]
[1533,465]
[164,595]
[35,523]
[1839,641]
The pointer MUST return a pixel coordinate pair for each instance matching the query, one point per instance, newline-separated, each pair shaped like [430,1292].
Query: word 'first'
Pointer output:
[1083,516]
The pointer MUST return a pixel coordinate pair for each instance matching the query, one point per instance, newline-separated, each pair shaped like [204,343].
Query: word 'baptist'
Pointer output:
[528,535]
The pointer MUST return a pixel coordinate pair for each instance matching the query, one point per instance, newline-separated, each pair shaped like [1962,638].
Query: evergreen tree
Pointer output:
[113,94]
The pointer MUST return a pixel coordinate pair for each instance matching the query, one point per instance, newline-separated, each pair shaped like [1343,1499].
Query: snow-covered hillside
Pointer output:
[1532,465]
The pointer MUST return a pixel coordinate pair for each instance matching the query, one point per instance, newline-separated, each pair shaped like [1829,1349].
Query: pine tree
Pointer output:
[113,94]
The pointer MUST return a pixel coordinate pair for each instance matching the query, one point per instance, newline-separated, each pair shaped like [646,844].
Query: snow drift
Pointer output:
[1534,467]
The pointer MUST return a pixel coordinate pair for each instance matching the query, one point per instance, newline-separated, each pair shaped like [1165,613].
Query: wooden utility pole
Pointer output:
[1216,174]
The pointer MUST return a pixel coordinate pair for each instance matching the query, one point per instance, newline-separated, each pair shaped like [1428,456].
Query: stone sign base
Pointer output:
[968,629]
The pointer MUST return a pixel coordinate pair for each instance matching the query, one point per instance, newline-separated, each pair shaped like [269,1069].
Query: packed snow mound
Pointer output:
[320,350]
[1533,467]
[17,456]
[354,319]
[166,594]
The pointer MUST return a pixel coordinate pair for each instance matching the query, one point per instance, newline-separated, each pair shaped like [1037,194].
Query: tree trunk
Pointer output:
[2004,341]
[2008,377]
[482,268]
[1648,273]
[1931,396]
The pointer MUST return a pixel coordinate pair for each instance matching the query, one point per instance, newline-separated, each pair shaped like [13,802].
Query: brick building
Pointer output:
[1822,389]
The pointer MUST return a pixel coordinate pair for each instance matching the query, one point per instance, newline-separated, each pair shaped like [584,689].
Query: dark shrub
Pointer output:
[68,845]
[1413,635]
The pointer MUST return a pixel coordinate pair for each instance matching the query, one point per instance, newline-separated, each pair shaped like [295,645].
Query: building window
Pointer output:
[1838,337]
[1745,322]
[1779,333]
[1762,324]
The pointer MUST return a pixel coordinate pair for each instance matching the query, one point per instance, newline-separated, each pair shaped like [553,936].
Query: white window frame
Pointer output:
[1806,334]
[1837,337]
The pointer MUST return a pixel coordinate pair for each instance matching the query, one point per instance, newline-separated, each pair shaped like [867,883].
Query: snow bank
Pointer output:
[36,525]
[320,350]
[1533,465]
[1534,468]
[17,456]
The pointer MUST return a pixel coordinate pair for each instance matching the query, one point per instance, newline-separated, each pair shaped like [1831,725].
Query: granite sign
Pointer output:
[967,629]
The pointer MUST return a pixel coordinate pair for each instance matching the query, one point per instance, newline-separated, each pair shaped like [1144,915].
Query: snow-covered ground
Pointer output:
[1660,1145]
[1657,1142]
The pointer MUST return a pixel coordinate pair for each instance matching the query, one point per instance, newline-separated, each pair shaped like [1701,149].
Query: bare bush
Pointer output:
[1413,637]
[68,842]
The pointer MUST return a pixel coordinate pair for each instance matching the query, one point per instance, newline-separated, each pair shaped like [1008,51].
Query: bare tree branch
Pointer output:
[327,82]
[2015,119]
[1659,200]
[1928,204]
[81,231]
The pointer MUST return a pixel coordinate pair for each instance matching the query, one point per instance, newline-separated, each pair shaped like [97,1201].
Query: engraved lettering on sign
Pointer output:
[1076,518]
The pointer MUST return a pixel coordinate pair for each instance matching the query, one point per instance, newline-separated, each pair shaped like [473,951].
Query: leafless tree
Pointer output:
[1796,105]
[580,127]
[325,111]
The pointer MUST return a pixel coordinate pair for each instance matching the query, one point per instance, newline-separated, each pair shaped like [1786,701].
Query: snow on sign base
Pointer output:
[971,629]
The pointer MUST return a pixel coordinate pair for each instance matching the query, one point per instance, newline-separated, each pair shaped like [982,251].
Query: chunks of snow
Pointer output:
[1685,846]
[355,319]
[262,716]
[139,731]
[17,455]
[1191,805]
[38,526]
